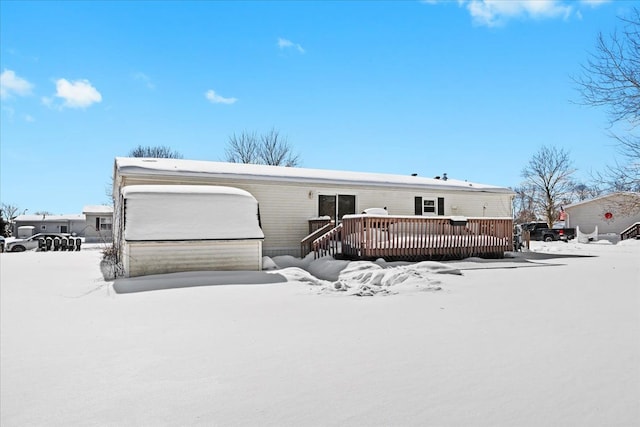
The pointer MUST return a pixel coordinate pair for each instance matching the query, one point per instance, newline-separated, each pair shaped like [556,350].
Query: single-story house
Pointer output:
[94,223]
[291,199]
[71,223]
[99,223]
[607,213]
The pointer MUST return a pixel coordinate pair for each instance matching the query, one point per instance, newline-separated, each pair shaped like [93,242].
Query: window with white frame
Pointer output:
[428,206]
[104,223]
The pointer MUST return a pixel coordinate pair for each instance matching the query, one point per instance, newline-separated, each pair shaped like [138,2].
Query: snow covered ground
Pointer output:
[548,338]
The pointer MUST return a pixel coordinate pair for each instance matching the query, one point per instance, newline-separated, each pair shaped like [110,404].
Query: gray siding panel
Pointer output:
[144,258]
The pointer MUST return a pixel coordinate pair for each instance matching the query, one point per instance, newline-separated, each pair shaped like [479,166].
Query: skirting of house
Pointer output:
[160,257]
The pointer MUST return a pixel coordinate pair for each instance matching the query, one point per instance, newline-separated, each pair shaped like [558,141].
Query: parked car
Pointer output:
[541,231]
[21,245]
[2,241]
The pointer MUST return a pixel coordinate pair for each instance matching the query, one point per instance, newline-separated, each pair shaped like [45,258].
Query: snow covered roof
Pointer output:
[52,218]
[135,166]
[143,191]
[97,209]
[616,195]
[190,212]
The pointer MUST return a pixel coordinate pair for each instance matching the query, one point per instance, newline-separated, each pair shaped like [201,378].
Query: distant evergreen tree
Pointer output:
[4,226]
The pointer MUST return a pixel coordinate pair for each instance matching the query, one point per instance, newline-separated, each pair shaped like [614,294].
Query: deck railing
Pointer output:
[414,237]
[328,243]
[631,232]
[306,244]
[318,223]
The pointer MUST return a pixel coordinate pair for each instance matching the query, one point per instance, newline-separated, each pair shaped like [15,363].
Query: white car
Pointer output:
[21,245]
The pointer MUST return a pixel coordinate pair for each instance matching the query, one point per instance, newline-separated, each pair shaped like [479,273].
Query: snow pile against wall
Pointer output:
[189,212]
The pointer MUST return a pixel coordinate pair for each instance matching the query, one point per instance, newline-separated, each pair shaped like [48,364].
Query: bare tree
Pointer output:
[611,79]
[548,175]
[156,152]
[242,148]
[270,148]
[584,192]
[523,204]
[9,212]
[275,150]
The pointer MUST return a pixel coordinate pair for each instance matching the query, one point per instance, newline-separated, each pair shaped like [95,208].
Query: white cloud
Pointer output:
[11,84]
[77,94]
[497,12]
[142,77]
[595,3]
[288,44]
[214,98]
[493,13]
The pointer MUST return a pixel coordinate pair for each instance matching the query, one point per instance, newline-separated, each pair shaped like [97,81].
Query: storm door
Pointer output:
[336,206]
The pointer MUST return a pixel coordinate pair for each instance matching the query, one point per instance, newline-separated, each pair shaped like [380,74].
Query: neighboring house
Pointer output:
[290,199]
[99,223]
[73,223]
[94,224]
[603,212]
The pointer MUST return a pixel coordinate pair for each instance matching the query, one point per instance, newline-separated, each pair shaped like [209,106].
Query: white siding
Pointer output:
[285,207]
[144,258]
[588,215]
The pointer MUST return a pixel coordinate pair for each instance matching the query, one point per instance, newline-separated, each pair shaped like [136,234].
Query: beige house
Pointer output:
[99,223]
[71,223]
[94,223]
[290,199]
[605,212]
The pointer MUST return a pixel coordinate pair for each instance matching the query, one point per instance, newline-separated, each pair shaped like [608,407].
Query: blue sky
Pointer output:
[470,88]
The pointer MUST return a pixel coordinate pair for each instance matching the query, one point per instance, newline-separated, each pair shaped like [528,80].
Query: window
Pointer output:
[104,223]
[336,206]
[428,206]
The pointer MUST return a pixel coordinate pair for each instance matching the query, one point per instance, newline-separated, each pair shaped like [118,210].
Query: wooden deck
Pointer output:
[632,232]
[414,238]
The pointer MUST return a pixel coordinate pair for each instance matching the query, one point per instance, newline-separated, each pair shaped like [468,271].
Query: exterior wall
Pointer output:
[588,215]
[53,226]
[92,234]
[286,207]
[144,258]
